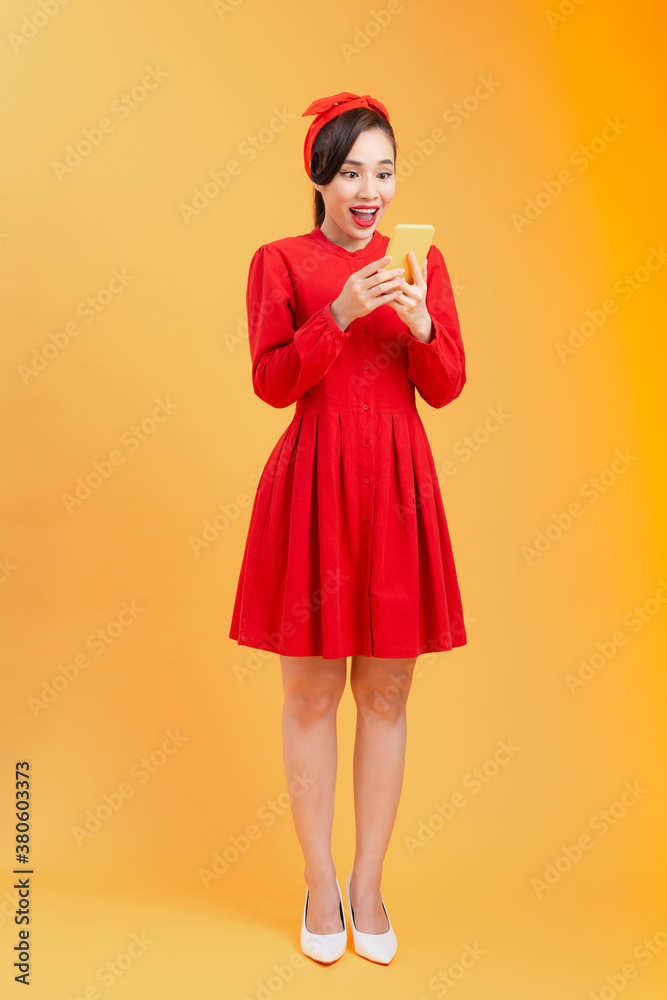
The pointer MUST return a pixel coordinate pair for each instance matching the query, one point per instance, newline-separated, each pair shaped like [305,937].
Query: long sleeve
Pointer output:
[438,369]
[286,362]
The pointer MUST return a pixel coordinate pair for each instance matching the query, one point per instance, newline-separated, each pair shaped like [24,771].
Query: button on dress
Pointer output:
[348,550]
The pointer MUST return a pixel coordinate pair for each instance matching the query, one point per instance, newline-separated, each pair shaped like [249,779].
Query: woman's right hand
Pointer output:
[369,287]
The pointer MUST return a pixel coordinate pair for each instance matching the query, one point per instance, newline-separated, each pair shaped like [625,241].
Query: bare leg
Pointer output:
[313,688]
[380,688]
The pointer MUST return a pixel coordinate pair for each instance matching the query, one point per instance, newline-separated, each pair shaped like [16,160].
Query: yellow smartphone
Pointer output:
[405,237]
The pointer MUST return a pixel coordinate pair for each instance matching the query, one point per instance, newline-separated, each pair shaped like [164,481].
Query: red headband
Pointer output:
[327,108]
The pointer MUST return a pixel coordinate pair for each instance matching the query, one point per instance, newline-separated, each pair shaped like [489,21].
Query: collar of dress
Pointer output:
[371,248]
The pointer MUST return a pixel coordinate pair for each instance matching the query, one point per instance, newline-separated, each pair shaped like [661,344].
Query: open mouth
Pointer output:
[365,215]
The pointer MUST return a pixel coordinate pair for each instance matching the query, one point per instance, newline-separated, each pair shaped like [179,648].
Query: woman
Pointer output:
[348,550]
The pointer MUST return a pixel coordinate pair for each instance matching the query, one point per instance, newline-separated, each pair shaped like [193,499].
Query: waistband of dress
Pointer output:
[344,406]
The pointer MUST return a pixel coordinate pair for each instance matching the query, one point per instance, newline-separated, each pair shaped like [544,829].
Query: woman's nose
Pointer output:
[368,188]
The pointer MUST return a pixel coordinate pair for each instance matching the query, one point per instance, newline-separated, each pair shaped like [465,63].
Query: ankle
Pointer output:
[320,875]
[366,881]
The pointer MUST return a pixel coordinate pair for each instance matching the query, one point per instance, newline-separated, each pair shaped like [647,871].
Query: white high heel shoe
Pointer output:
[379,948]
[324,948]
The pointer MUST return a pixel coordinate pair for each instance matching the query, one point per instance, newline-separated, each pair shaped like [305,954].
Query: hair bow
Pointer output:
[326,108]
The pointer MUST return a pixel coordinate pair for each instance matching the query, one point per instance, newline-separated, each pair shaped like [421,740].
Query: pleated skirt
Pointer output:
[348,550]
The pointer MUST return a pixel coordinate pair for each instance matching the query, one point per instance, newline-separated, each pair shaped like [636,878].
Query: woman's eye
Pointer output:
[349,173]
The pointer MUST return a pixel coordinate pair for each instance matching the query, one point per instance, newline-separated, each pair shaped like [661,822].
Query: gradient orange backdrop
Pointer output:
[154,741]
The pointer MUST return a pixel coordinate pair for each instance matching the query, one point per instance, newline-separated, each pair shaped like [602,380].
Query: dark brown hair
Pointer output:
[334,141]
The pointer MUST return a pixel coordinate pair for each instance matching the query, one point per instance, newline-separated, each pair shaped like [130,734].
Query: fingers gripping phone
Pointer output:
[405,237]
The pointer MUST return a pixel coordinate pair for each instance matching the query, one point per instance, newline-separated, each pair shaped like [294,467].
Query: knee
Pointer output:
[384,698]
[309,704]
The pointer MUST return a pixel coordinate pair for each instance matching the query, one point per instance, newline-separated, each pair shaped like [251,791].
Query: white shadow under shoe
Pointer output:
[379,948]
[324,948]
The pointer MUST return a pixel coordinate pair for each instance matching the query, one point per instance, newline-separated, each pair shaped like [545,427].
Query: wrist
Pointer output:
[339,317]
[425,331]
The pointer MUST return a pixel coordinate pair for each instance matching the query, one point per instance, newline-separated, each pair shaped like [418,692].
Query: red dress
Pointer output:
[348,550]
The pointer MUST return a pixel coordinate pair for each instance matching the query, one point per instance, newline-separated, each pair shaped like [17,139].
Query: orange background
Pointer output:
[174,330]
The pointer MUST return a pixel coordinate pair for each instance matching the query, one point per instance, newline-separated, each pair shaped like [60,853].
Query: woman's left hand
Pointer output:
[411,303]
